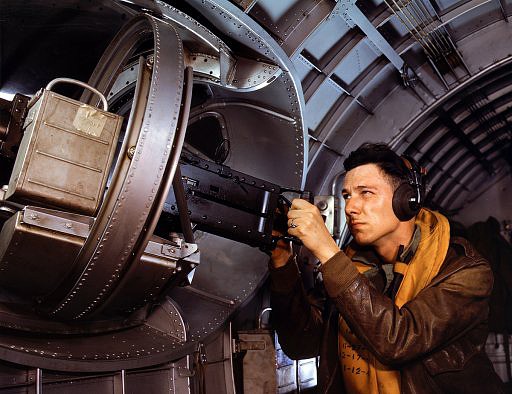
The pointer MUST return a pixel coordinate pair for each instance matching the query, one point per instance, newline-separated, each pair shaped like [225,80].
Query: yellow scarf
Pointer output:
[362,372]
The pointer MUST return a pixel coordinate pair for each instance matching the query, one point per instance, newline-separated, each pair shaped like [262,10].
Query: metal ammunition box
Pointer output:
[36,243]
[65,154]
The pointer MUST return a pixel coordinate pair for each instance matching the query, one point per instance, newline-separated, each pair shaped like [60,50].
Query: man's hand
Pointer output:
[306,223]
[282,252]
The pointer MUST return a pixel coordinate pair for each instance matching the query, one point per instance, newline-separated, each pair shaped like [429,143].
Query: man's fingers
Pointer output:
[299,203]
[300,208]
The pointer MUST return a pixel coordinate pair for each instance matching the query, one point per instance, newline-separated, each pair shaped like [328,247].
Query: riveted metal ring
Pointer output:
[116,236]
[142,283]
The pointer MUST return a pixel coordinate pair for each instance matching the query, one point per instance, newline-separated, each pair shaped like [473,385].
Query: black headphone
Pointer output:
[408,196]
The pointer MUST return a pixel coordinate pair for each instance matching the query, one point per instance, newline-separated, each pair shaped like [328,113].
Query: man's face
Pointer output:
[368,195]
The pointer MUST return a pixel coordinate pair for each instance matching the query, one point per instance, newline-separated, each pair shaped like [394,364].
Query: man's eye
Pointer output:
[366,192]
[345,196]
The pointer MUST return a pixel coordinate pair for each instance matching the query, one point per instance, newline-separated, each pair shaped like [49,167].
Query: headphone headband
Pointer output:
[416,178]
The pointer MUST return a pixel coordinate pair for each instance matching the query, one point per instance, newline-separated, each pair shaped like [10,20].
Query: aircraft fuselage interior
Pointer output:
[149,148]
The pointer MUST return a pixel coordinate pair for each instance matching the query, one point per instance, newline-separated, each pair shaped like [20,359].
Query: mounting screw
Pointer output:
[150,62]
[322,205]
[131,152]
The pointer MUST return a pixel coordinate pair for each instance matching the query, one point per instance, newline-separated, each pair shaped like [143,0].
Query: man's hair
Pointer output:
[380,154]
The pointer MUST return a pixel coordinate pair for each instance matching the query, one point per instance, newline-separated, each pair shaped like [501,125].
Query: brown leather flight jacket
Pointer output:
[436,340]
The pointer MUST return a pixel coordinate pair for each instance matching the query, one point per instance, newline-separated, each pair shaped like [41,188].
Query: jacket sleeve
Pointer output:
[440,313]
[296,317]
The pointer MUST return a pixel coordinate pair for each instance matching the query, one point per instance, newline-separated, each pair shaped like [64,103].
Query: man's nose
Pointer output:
[352,206]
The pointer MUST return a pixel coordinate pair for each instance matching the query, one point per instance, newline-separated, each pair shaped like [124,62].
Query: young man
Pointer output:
[405,308]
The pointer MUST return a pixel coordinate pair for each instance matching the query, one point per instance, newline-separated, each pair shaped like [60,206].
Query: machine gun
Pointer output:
[228,203]
[231,204]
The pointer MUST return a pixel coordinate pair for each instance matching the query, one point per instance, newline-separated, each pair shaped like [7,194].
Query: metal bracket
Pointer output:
[341,10]
[349,11]
[227,64]
[177,254]
[205,67]
[63,222]
[175,249]
[232,72]
[327,207]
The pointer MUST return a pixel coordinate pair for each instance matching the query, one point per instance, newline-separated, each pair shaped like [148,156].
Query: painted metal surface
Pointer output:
[250,34]
[120,261]
[352,95]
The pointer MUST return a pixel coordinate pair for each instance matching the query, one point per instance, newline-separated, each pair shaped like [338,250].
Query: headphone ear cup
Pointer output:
[402,206]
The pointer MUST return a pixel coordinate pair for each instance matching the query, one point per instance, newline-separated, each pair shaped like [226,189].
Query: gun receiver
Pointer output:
[227,203]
